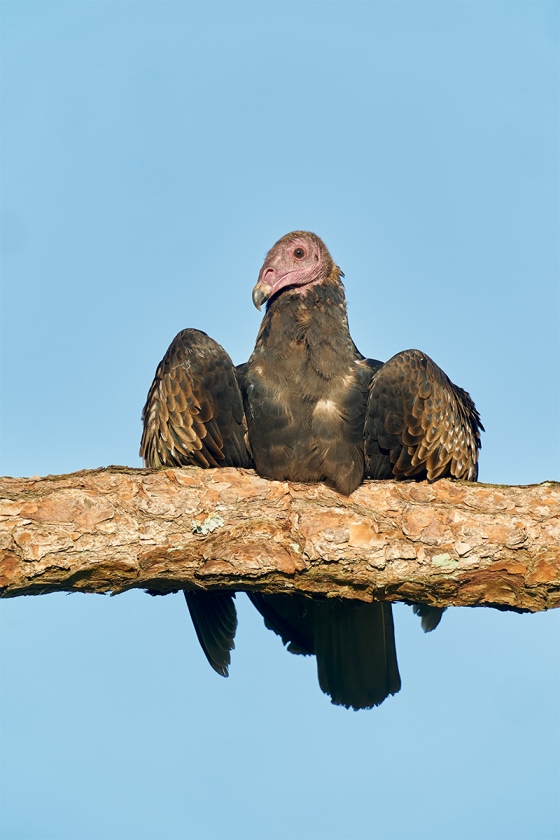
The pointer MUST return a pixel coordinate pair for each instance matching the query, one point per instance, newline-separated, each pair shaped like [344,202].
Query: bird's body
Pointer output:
[305,391]
[313,410]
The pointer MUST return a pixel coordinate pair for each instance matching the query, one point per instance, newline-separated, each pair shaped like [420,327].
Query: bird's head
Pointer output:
[297,261]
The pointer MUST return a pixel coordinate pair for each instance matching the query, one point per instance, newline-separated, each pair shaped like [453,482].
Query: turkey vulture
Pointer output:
[308,407]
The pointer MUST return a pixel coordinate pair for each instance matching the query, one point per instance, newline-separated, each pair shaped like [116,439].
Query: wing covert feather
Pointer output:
[419,424]
[194,410]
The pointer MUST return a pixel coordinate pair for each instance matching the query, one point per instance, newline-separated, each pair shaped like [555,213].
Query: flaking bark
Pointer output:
[445,544]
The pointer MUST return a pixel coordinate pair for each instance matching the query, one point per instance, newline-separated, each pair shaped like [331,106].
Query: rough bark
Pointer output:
[448,543]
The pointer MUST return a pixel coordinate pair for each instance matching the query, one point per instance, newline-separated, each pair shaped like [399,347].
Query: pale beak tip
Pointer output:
[259,296]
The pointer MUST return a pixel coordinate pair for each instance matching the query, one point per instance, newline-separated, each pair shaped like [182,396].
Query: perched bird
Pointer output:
[308,407]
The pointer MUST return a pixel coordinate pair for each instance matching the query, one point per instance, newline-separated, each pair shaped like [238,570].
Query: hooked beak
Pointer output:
[260,294]
[267,281]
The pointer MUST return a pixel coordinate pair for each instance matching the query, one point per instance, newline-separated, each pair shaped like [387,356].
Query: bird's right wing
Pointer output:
[194,416]
[215,621]
[194,411]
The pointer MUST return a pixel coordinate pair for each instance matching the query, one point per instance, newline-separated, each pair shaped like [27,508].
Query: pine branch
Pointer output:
[448,543]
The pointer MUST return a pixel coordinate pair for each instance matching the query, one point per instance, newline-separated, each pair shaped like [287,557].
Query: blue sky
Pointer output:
[151,155]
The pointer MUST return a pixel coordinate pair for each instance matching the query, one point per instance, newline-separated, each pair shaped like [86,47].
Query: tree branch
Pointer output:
[448,543]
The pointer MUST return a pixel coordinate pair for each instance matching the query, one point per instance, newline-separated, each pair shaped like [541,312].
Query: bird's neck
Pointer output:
[311,322]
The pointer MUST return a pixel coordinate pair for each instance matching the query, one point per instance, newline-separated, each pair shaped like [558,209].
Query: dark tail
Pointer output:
[353,641]
[356,653]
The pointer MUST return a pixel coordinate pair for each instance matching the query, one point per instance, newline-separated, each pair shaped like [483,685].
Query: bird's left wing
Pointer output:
[419,424]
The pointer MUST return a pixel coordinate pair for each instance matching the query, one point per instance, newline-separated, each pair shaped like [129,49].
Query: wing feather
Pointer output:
[194,416]
[419,424]
[194,410]
[215,620]
[290,617]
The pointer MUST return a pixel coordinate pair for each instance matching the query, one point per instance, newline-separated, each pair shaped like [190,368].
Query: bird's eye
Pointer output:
[299,253]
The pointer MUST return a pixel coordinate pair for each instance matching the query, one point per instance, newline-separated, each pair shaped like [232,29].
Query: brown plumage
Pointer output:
[418,423]
[307,406]
[194,410]
[194,415]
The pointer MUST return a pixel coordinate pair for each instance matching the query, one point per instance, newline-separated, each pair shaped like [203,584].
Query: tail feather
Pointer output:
[356,653]
[354,643]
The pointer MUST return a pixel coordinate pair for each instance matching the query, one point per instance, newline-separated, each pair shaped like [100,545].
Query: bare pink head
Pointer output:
[298,260]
